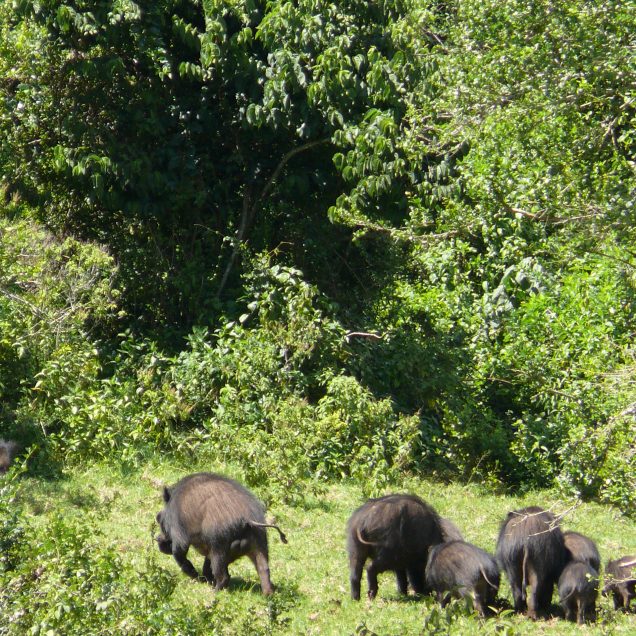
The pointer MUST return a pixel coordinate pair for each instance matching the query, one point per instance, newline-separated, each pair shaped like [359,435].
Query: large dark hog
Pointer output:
[396,533]
[222,520]
[8,451]
[582,548]
[578,591]
[531,551]
[460,568]
[620,577]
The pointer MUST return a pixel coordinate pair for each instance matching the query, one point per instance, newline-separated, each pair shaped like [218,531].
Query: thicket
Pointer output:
[323,239]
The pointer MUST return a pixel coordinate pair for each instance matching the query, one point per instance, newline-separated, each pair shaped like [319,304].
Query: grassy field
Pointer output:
[311,573]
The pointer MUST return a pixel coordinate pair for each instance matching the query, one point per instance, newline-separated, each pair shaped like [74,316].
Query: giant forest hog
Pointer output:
[395,532]
[531,551]
[620,577]
[578,590]
[222,520]
[460,568]
[8,451]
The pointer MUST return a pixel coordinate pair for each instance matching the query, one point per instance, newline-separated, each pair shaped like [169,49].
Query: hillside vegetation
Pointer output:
[322,243]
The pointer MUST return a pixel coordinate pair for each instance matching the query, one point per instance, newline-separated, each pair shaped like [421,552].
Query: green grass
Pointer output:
[311,573]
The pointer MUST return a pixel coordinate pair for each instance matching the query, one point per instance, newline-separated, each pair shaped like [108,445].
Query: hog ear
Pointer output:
[166,494]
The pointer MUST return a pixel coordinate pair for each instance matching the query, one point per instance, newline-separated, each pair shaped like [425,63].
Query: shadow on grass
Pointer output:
[281,589]
[409,599]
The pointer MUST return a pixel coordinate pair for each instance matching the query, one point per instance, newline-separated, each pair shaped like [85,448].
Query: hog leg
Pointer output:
[580,611]
[568,609]
[180,556]
[480,596]
[218,563]
[372,579]
[261,563]
[402,581]
[356,565]
[534,597]
[545,588]
[443,598]
[207,571]
[515,576]
[416,578]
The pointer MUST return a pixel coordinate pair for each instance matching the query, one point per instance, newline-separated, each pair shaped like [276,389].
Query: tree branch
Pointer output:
[34,310]
[249,209]
[282,163]
[362,334]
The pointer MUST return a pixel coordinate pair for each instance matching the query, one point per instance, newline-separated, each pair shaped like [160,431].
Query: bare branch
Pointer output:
[613,258]
[362,334]
[552,525]
[406,235]
[240,235]
[34,310]
[250,206]
[283,162]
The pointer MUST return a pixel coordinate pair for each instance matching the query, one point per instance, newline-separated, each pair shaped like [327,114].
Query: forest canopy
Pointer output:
[323,239]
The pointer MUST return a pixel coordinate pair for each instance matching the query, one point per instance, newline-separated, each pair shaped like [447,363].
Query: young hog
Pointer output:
[396,533]
[581,548]
[222,520]
[8,451]
[531,551]
[462,568]
[620,577]
[578,590]
[450,531]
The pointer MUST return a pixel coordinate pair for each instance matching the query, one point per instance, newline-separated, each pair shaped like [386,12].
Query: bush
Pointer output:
[253,386]
[88,414]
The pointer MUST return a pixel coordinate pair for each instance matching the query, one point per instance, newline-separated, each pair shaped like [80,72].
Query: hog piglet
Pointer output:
[459,568]
[620,581]
[578,591]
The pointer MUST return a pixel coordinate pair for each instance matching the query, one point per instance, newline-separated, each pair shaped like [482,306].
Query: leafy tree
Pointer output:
[177,131]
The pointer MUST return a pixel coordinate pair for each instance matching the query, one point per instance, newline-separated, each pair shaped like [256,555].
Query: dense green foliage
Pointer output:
[323,239]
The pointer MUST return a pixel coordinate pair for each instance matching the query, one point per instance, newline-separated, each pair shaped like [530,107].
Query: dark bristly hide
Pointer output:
[450,531]
[531,551]
[222,520]
[395,532]
[459,568]
[578,591]
[582,548]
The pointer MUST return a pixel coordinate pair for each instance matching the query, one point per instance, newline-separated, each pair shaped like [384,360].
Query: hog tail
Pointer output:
[524,578]
[283,538]
[363,540]
[483,573]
